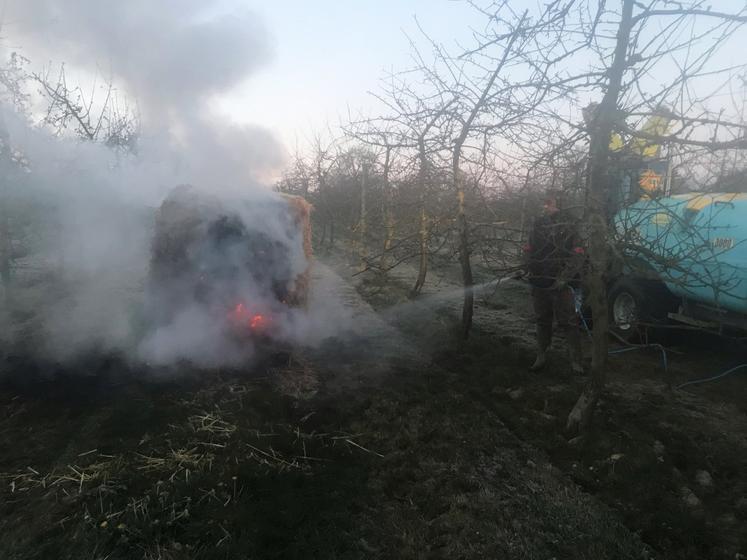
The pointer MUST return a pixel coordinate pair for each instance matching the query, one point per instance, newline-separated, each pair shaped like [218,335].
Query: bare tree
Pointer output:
[632,59]
[601,126]
[324,158]
[109,120]
[463,132]
[6,245]
[477,135]
[13,78]
[412,122]
[387,139]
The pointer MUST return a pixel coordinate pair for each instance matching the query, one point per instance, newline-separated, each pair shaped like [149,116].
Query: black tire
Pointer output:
[635,304]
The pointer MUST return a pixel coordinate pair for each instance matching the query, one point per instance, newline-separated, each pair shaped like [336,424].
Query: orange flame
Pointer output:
[243,316]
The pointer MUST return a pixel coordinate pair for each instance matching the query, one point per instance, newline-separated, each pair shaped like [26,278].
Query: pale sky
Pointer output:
[329,53]
[326,55]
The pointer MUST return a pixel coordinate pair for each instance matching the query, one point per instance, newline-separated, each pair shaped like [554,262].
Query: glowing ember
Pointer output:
[241,315]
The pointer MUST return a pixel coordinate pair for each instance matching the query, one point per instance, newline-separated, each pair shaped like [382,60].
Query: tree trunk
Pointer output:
[522,228]
[324,202]
[323,237]
[462,225]
[331,233]
[423,233]
[423,267]
[363,223]
[464,248]
[388,236]
[598,185]
[388,213]
[5,247]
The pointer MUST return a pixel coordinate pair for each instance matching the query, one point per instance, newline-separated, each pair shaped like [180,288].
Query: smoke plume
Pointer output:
[85,216]
[173,57]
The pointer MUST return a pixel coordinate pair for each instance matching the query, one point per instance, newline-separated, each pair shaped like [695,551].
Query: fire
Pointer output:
[241,315]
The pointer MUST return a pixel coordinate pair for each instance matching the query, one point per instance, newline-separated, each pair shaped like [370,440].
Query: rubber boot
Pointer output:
[540,362]
[577,367]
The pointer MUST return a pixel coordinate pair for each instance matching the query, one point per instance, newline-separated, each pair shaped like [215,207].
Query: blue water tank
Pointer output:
[696,243]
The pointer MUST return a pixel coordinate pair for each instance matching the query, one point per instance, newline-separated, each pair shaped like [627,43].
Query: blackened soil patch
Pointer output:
[212,469]
[229,467]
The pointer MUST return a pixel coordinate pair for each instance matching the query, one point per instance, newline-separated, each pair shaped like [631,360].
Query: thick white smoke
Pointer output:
[92,211]
[173,57]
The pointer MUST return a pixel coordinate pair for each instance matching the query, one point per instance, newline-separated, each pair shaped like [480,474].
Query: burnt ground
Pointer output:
[391,440]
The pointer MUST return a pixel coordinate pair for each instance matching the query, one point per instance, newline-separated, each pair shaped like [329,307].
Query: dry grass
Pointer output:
[177,462]
[191,466]
[297,380]
[211,423]
[69,477]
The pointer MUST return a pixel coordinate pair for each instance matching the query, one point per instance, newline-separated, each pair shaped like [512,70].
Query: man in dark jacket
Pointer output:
[555,258]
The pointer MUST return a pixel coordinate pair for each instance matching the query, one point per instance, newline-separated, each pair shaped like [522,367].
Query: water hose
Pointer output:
[714,378]
[664,359]
[578,301]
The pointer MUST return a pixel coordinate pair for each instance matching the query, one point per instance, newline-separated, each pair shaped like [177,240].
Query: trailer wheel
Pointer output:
[635,304]
[629,306]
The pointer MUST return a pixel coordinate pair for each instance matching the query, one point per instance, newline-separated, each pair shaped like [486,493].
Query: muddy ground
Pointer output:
[392,440]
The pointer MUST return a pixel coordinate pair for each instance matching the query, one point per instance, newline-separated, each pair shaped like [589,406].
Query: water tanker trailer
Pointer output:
[685,260]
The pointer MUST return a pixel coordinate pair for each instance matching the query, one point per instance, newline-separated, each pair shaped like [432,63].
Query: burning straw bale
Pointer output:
[178,223]
[235,259]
